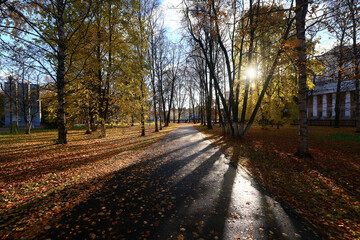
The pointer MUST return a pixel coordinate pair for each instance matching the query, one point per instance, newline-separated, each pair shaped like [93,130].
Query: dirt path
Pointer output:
[183,188]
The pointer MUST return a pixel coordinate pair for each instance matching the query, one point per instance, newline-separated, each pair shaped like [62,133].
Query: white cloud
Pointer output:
[327,42]
[172,17]
[324,47]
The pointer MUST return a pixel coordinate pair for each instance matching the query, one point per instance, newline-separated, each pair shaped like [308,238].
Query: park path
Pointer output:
[183,187]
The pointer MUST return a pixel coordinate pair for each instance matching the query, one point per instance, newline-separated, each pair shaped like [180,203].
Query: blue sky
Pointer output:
[172,21]
[172,18]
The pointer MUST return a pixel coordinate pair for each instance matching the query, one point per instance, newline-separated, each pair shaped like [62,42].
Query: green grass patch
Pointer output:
[22,131]
[340,137]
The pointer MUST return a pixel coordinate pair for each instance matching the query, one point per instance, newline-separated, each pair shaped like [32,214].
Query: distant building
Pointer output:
[321,100]
[20,99]
[321,105]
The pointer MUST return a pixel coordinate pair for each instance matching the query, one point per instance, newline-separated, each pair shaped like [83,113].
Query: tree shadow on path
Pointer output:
[181,192]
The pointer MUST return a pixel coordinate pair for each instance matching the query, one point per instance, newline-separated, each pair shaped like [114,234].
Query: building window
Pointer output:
[330,99]
[342,113]
[353,98]
[342,99]
[330,113]
[320,113]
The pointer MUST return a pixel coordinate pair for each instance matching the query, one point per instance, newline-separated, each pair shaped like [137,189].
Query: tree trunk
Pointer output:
[230,130]
[28,127]
[247,84]
[160,121]
[339,80]
[92,122]
[301,10]
[193,116]
[201,107]
[160,114]
[103,128]
[237,91]
[189,111]
[222,124]
[337,102]
[142,116]
[208,102]
[29,124]
[154,99]
[142,122]
[25,103]
[100,80]
[215,115]
[173,115]
[11,104]
[60,75]
[106,91]
[164,109]
[170,101]
[61,99]
[87,119]
[156,119]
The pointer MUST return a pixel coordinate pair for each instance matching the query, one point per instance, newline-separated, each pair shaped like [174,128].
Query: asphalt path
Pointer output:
[183,187]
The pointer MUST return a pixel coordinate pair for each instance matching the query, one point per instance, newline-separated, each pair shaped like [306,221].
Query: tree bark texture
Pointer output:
[301,10]
[60,73]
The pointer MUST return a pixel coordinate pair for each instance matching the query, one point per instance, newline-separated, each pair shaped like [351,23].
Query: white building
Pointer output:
[18,97]
[321,100]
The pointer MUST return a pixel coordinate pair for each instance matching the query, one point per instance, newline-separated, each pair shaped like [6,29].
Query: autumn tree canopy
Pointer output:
[104,62]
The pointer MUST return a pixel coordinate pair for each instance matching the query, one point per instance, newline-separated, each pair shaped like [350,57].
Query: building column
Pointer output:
[333,105]
[348,105]
[315,107]
[324,106]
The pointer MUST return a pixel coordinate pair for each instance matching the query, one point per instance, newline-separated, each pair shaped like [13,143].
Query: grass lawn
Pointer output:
[33,170]
[325,190]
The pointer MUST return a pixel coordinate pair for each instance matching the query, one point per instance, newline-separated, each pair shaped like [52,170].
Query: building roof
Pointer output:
[327,88]
[327,83]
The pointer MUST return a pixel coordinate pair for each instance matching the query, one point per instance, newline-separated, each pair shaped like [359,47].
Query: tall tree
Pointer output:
[161,64]
[338,25]
[214,16]
[53,24]
[303,144]
[180,94]
[144,14]
[156,36]
[173,73]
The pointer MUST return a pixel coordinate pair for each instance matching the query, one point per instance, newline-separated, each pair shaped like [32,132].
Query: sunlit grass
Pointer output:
[32,165]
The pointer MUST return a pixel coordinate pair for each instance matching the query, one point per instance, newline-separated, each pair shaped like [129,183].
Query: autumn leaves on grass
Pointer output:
[33,168]
[325,189]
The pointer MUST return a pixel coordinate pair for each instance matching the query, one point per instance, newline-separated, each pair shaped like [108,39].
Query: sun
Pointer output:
[251,73]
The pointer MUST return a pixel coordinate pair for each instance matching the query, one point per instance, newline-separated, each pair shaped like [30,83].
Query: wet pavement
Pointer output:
[183,187]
